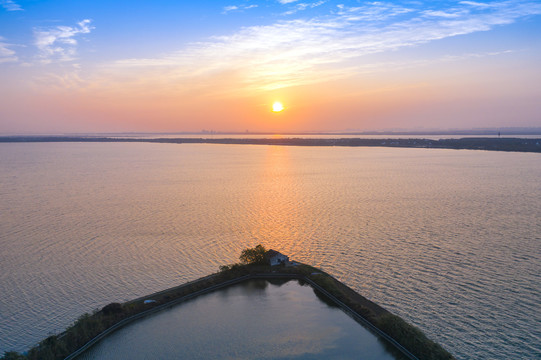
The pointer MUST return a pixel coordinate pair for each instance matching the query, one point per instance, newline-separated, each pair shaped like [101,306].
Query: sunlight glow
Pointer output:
[277,106]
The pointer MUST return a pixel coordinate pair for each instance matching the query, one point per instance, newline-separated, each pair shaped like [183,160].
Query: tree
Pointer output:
[253,255]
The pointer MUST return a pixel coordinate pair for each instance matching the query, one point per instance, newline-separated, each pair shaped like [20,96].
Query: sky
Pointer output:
[174,66]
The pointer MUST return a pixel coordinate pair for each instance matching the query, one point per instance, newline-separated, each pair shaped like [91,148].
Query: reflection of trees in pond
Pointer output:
[250,287]
[256,284]
[253,286]
[325,299]
[278,282]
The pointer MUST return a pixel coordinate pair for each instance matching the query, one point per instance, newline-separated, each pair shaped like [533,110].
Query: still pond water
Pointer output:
[253,320]
[449,240]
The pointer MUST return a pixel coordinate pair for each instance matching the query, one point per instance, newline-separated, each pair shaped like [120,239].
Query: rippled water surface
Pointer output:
[449,240]
[252,320]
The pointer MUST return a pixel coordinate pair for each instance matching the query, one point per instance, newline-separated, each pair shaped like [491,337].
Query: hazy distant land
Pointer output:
[491,144]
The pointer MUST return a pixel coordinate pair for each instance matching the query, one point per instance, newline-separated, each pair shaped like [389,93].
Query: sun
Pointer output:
[277,106]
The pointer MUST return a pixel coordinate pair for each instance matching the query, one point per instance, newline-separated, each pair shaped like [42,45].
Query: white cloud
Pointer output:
[304,6]
[375,11]
[237,8]
[478,4]
[10,5]
[306,51]
[443,14]
[286,1]
[59,43]
[6,54]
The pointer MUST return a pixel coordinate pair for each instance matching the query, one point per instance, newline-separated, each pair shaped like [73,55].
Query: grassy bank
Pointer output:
[89,326]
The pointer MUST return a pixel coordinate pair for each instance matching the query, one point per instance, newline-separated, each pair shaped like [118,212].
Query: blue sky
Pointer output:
[185,66]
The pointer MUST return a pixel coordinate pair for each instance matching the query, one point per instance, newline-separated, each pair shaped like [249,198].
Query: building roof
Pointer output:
[272,253]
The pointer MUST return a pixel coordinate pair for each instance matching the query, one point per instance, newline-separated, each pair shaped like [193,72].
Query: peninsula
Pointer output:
[256,263]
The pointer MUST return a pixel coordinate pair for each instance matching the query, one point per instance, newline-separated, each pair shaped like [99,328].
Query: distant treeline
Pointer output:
[491,144]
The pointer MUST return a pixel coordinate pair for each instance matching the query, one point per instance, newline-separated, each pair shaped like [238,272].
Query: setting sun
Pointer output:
[277,107]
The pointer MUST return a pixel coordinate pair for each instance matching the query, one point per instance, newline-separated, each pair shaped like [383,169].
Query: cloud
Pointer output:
[478,4]
[443,14]
[237,8]
[59,43]
[306,51]
[287,1]
[6,54]
[10,5]
[375,11]
[304,6]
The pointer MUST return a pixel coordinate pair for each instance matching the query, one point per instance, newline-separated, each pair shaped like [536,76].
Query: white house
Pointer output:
[276,258]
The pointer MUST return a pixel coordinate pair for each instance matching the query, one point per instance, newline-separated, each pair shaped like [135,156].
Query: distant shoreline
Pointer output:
[472,143]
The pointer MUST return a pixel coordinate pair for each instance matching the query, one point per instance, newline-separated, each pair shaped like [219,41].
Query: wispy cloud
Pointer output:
[450,14]
[304,6]
[10,5]
[479,4]
[372,12]
[59,43]
[230,8]
[306,51]
[6,54]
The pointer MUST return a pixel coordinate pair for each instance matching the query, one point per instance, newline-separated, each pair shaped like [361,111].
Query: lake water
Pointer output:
[252,320]
[449,240]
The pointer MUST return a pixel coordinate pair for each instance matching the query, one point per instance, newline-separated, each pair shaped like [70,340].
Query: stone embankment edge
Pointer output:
[343,306]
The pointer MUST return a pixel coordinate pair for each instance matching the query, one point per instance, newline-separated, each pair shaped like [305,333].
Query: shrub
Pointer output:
[225,267]
[112,308]
[412,338]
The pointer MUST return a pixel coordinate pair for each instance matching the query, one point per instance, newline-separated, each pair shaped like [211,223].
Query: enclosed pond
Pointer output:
[257,319]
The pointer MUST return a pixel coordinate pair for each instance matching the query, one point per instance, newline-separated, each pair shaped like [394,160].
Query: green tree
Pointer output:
[253,255]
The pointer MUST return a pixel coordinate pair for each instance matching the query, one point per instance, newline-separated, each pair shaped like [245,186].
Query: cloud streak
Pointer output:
[306,51]
[304,6]
[59,43]
[231,8]
[6,54]
[10,5]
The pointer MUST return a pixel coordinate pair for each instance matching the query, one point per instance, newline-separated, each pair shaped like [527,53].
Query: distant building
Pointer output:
[276,258]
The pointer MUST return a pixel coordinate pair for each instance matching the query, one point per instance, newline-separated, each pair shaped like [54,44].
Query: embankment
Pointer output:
[91,328]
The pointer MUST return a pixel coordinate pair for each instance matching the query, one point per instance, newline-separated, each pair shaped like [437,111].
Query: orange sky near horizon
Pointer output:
[367,67]
[354,104]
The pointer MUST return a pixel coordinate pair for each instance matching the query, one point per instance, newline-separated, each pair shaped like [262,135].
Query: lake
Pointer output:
[449,240]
